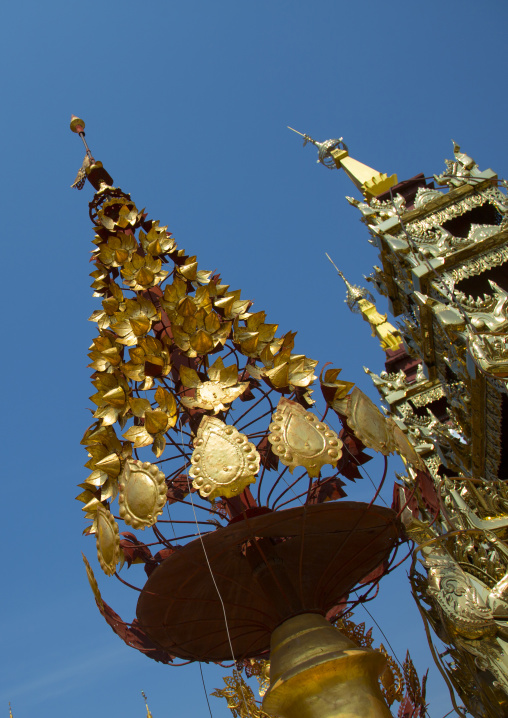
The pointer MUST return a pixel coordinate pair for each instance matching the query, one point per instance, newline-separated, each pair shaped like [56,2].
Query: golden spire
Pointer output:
[360,301]
[335,154]
[148,713]
[10,710]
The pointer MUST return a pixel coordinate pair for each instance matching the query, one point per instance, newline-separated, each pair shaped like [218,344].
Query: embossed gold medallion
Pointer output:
[142,493]
[224,462]
[108,541]
[298,438]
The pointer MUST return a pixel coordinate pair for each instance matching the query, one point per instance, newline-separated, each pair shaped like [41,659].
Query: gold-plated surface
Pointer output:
[142,493]
[107,540]
[441,263]
[316,672]
[76,123]
[335,153]
[240,697]
[92,581]
[214,395]
[224,462]
[298,438]
[368,423]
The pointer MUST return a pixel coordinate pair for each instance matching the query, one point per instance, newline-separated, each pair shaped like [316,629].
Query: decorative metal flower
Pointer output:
[105,353]
[135,321]
[106,454]
[283,369]
[141,273]
[148,360]
[156,422]
[157,240]
[196,327]
[119,213]
[111,397]
[334,389]
[190,271]
[117,250]
[218,393]
[255,335]
[232,306]
[111,305]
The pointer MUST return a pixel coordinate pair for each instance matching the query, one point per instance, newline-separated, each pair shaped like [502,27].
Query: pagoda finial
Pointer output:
[334,154]
[10,710]
[148,713]
[361,301]
[90,169]
[354,293]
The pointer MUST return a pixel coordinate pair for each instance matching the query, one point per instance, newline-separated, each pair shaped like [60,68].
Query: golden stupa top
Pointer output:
[148,712]
[361,301]
[334,154]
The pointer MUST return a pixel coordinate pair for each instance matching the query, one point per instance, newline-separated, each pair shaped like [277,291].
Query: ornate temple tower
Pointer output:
[443,260]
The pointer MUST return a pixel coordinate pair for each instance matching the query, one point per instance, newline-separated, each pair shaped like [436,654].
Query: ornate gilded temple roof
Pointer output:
[443,260]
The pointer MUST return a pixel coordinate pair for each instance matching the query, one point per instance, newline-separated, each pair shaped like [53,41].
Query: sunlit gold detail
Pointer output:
[119,213]
[317,672]
[404,448]
[232,306]
[151,355]
[92,581]
[334,389]
[156,422]
[224,462]
[108,541]
[190,271]
[157,240]
[111,397]
[367,422]
[117,250]
[134,321]
[389,337]
[255,335]
[196,327]
[142,493]
[240,697]
[111,305]
[140,273]
[77,124]
[282,368]
[214,395]
[368,180]
[298,438]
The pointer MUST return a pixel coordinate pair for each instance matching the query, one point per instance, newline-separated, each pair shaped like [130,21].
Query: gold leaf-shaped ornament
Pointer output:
[93,582]
[108,541]
[368,423]
[142,493]
[298,438]
[224,462]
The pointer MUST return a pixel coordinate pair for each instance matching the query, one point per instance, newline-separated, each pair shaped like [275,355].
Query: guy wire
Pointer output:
[211,571]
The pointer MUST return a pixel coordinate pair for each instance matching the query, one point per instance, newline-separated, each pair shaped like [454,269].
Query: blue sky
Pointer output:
[187,103]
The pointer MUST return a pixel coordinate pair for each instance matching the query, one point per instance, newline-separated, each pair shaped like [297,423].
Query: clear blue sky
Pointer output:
[187,103]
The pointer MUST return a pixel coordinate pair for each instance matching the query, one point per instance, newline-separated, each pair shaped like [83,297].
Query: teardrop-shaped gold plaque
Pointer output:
[298,438]
[224,462]
[368,423]
[108,541]
[142,493]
